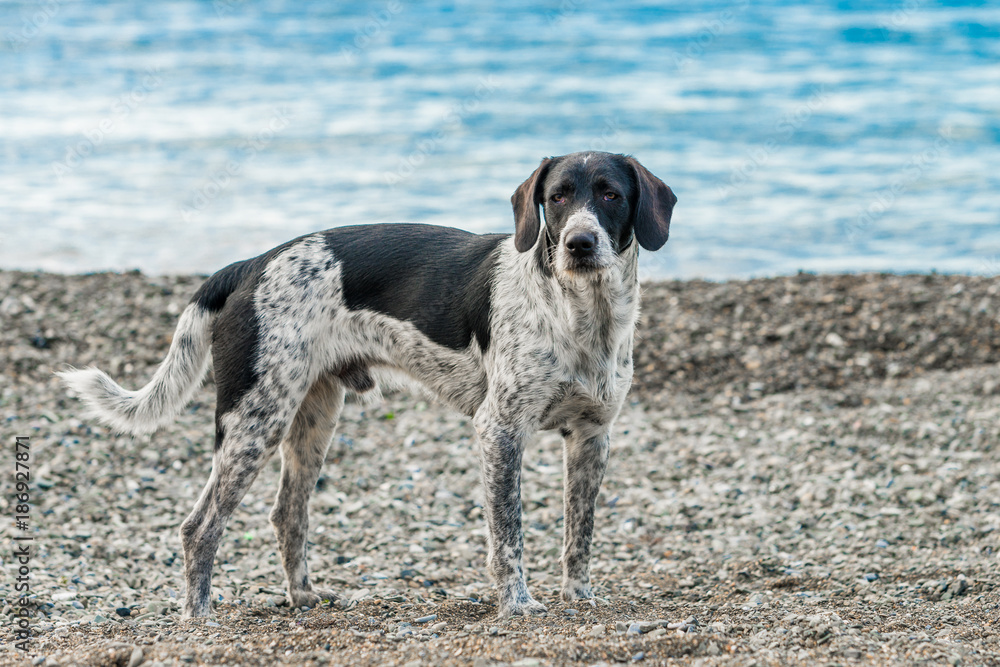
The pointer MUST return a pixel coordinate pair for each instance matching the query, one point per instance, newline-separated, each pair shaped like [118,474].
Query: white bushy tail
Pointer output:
[145,410]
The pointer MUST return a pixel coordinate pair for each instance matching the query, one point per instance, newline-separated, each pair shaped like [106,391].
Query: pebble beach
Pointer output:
[807,472]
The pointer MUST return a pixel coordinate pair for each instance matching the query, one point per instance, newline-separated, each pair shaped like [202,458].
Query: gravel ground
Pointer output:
[806,474]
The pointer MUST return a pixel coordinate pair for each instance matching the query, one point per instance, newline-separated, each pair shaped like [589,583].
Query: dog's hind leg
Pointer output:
[233,471]
[246,439]
[302,454]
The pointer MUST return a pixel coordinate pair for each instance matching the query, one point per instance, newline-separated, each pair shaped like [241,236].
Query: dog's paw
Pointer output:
[202,612]
[528,608]
[313,598]
[520,604]
[576,590]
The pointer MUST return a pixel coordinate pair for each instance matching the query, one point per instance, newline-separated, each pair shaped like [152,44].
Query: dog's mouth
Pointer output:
[590,264]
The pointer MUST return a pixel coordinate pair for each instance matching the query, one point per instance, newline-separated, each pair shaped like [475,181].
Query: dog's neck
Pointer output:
[601,308]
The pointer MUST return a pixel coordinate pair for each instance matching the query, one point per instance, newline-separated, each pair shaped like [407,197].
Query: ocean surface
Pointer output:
[177,137]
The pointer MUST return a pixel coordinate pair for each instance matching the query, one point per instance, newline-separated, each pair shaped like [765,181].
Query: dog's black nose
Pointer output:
[581,244]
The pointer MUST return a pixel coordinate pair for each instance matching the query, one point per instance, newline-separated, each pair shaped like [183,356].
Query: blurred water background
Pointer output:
[178,136]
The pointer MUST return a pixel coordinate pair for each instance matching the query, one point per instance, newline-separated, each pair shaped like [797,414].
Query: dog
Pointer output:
[520,332]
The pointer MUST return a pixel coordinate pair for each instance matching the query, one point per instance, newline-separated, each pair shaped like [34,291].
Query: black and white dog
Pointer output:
[522,333]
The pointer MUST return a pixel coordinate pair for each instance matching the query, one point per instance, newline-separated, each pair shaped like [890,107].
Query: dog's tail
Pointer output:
[180,373]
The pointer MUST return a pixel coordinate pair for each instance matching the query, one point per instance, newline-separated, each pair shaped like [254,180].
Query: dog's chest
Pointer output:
[592,390]
[592,372]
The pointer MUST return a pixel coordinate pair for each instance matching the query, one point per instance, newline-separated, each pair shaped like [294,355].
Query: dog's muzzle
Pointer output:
[583,245]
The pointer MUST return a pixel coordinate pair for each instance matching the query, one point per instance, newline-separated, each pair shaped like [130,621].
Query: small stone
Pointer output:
[136,658]
[638,656]
[597,630]
[871,576]
[570,612]
[882,544]
[157,607]
[425,619]
[124,612]
[634,629]
[621,626]
[38,660]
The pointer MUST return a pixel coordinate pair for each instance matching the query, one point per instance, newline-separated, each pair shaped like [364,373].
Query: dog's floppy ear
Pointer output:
[526,200]
[655,203]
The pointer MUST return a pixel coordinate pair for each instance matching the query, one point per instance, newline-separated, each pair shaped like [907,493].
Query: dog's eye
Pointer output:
[610,196]
[559,199]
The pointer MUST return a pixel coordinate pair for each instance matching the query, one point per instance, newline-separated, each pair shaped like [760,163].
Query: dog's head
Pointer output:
[595,205]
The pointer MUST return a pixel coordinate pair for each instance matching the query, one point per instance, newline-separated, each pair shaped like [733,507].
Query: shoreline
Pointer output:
[739,339]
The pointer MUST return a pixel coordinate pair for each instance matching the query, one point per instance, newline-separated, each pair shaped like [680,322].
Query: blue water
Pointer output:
[180,136]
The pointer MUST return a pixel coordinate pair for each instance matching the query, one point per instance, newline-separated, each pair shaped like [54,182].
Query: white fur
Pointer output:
[145,410]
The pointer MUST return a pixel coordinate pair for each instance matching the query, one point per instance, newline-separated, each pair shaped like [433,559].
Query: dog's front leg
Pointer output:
[501,447]
[585,456]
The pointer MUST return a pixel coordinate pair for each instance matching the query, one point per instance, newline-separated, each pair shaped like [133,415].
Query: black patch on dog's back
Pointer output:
[212,295]
[437,278]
